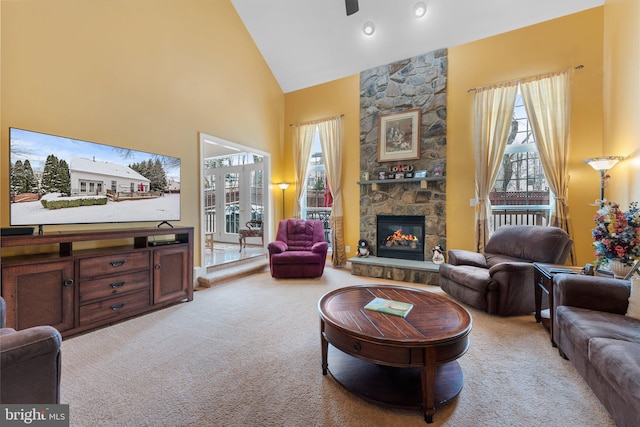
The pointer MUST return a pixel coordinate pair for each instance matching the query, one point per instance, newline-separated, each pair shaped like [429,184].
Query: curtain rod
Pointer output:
[475,89]
[314,122]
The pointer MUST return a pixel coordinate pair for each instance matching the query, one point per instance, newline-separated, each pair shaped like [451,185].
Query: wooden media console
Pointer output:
[75,289]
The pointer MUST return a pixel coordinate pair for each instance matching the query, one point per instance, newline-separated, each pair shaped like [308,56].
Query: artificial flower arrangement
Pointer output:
[617,233]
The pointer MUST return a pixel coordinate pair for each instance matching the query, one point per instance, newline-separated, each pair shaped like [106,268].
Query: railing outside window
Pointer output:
[520,208]
[516,215]
[322,214]
[520,198]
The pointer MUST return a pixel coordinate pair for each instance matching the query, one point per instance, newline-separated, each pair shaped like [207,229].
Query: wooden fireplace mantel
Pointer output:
[374,183]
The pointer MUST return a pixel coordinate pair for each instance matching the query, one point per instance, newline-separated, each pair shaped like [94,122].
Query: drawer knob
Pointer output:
[117,284]
[118,263]
[357,347]
[116,307]
[68,282]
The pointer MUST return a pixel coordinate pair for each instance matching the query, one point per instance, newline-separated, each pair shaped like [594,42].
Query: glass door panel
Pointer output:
[232,202]
[256,194]
[210,209]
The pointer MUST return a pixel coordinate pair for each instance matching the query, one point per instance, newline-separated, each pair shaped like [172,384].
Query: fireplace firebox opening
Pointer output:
[400,236]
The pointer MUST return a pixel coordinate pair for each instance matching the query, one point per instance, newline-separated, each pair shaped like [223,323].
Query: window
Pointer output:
[521,193]
[317,199]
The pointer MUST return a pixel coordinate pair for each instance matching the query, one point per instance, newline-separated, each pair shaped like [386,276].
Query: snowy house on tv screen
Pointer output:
[91,177]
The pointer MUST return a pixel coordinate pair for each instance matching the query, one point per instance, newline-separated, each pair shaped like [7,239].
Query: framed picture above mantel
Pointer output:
[399,136]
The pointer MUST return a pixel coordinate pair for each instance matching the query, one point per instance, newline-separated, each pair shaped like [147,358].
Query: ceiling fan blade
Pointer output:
[352,6]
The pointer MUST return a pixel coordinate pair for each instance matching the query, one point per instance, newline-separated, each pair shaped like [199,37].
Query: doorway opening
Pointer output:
[234,191]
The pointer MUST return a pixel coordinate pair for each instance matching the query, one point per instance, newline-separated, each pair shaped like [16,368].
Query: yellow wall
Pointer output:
[327,100]
[622,97]
[550,46]
[144,74]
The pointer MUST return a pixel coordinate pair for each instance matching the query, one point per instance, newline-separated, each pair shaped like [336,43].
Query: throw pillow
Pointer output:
[634,299]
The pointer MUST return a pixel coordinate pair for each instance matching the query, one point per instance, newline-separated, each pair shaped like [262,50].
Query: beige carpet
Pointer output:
[247,353]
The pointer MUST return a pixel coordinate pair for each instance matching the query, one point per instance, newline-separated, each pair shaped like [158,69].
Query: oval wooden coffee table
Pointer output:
[408,362]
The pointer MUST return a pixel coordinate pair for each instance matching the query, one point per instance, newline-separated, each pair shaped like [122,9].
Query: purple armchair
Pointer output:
[300,249]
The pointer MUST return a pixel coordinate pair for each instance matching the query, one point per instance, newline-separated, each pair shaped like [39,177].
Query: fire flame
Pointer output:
[397,235]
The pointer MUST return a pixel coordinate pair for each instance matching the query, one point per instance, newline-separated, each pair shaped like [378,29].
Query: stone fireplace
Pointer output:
[414,83]
[400,236]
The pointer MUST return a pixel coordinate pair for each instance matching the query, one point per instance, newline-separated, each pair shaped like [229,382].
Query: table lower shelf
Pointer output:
[392,386]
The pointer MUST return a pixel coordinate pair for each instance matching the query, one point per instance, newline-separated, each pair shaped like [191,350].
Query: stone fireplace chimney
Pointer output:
[415,83]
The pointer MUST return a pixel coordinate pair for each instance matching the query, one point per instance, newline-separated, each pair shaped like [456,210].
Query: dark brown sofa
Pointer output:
[29,363]
[500,281]
[592,331]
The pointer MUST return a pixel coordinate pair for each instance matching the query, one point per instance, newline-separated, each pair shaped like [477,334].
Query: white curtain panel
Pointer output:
[547,101]
[493,111]
[302,142]
[331,142]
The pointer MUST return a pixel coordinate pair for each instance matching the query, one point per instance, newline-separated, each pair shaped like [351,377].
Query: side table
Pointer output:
[543,281]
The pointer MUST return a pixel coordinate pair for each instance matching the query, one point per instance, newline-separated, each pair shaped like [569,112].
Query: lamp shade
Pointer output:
[603,163]
[283,185]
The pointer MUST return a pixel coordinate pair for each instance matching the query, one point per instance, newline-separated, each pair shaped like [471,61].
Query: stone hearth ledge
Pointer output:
[425,272]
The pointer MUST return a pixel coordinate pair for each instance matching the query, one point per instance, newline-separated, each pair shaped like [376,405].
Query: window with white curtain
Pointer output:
[521,193]
[317,201]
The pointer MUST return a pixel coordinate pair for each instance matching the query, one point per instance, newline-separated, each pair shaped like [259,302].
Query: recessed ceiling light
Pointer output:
[419,9]
[368,28]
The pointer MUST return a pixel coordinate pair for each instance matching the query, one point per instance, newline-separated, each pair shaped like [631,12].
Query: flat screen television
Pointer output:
[60,180]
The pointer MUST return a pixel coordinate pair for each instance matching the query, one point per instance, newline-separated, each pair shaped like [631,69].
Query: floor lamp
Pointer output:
[283,186]
[602,165]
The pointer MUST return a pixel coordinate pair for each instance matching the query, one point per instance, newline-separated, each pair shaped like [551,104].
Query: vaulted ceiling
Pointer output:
[309,42]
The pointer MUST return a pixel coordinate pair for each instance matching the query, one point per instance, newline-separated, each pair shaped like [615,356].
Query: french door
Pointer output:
[234,195]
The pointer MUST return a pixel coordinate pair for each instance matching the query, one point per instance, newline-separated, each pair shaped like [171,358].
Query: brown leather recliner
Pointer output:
[29,363]
[500,281]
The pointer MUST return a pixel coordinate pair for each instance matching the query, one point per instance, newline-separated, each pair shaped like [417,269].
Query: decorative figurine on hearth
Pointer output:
[438,256]
[363,248]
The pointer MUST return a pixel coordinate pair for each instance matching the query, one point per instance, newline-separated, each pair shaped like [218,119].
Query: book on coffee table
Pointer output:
[397,308]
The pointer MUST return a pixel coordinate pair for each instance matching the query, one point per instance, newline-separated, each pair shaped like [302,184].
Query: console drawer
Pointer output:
[114,264]
[114,285]
[112,308]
